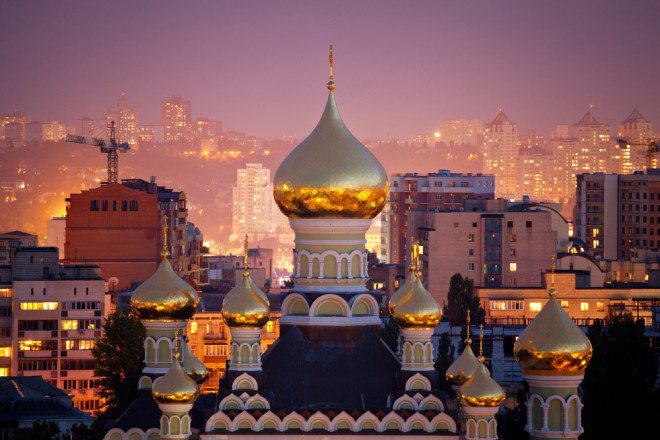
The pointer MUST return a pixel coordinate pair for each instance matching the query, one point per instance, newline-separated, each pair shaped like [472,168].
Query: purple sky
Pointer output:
[400,67]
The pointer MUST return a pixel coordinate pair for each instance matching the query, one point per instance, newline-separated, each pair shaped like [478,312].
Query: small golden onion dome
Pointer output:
[481,390]
[331,174]
[174,386]
[463,368]
[401,292]
[417,308]
[193,366]
[552,344]
[165,296]
[245,305]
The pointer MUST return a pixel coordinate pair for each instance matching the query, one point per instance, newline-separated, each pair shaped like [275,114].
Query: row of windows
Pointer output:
[88,405]
[33,345]
[78,364]
[216,350]
[535,306]
[37,365]
[37,325]
[81,324]
[104,205]
[79,344]
[40,305]
[82,305]
[5,352]
[84,384]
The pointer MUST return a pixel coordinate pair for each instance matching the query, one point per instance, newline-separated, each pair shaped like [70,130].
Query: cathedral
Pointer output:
[330,373]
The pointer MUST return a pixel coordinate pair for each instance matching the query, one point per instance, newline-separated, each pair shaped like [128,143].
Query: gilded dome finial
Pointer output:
[481,344]
[468,341]
[414,255]
[175,352]
[553,291]
[331,83]
[165,252]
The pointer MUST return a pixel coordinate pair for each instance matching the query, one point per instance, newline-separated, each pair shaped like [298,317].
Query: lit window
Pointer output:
[270,327]
[471,237]
[584,306]
[595,232]
[535,307]
[564,303]
[600,306]
[4,372]
[596,243]
[5,352]
[513,267]
[512,238]
[70,324]
[193,327]
[30,345]
[38,305]
[5,293]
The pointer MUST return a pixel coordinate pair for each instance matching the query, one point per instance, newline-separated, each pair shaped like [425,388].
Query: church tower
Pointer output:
[463,368]
[164,303]
[553,353]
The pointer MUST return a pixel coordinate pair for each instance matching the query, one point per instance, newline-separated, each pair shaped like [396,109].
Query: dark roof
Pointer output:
[588,119]
[31,397]
[333,367]
[38,249]
[634,116]
[20,233]
[501,118]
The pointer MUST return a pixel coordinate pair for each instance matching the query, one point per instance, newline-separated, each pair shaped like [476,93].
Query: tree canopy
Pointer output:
[460,298]
[119,356]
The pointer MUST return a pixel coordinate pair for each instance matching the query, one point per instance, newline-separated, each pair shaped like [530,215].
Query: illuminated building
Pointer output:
[118,227]
[176,119]
[492,248]
[616,215]
[208,133]
[13,127]
[442,191]
[56,234]
[253,210]
[461,132]
[56,319]
[86,126]
[13,240]
[126,121]
[635,128]
[500,154]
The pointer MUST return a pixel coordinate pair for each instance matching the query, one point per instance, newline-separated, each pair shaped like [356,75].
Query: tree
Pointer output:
[460,298]
[80,431]
[119,356]
[618,388]
[444,360]
[511,421]
[46,430]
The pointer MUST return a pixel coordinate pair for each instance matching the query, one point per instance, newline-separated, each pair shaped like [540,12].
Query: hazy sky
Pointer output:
[400,67]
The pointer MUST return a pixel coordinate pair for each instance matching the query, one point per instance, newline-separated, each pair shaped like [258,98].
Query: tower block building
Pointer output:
[553,353]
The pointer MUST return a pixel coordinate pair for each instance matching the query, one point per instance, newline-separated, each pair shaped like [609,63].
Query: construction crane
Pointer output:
[651,148]
[110,147]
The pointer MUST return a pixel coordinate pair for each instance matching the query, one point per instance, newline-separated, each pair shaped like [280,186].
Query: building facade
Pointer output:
[13,240]
[616,215]
[56,317]
[253,209]
[491,248]
[500,154]
[636,128]
[126,121]
[176,119]
[441,191]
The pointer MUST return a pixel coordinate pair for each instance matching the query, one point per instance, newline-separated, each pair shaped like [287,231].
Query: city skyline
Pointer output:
[242,74]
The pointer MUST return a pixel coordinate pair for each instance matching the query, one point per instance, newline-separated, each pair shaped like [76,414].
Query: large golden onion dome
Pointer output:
[246,306]
[331,174]
[552,344]
[164,296]
[416,307]
[481,390]
[175,386]
[193,366]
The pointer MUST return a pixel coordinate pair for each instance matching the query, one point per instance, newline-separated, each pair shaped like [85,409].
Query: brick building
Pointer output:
[119,227]
[10,241]
[441,191]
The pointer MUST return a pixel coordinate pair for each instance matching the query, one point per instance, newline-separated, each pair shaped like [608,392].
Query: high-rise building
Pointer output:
[462,132]
[500,153]
[616,215]
[126,121]
[118,226]
[635,128]
[86,126]
[585,146]
[53,131]
[56,317]
[252,201]
[535,174]
[13,125]
[443,191]
[176,119]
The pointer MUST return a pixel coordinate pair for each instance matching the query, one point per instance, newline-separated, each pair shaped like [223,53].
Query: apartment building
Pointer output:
[10,241]
[441,191]
[56,313]
[616,215]
[505,248]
